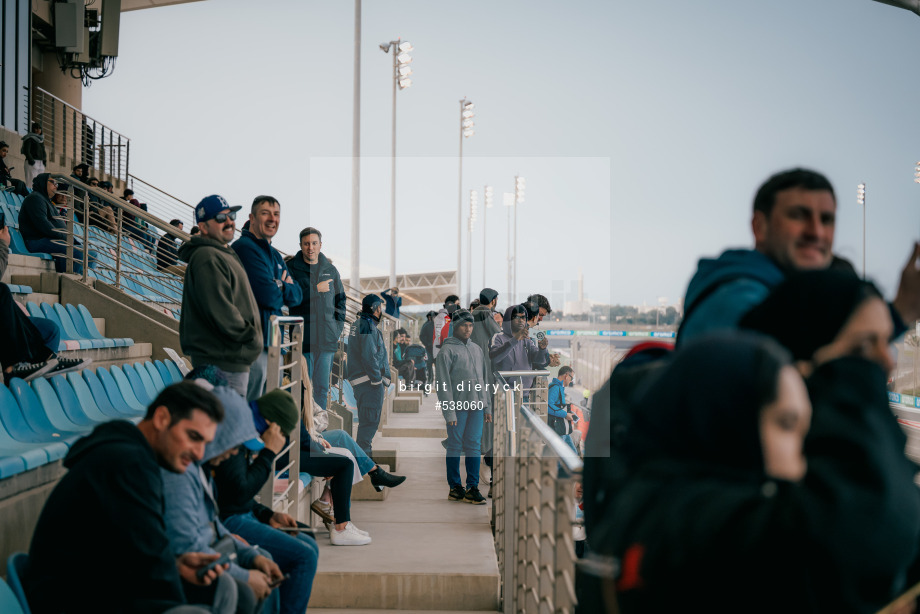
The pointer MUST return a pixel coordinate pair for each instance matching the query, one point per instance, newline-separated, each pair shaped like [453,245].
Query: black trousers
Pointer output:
[332,466]
[20,339]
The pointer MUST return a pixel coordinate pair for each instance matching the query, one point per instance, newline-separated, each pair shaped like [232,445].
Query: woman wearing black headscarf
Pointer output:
[722,510]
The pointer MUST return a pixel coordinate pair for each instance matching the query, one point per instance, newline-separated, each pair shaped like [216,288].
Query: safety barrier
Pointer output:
[534,473]
[285,341]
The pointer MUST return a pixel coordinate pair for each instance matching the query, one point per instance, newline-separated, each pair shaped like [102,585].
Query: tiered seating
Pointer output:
[77,326]
[10,204]
[40,420]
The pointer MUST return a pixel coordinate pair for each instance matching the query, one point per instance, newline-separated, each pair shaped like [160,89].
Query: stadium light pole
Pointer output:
[356,158]
[466,131]
[401,80]
[487,198]
[861,199]
[474,209]
[508,201]
[519,185]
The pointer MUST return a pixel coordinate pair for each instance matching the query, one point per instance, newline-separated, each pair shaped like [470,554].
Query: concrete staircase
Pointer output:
[429,554]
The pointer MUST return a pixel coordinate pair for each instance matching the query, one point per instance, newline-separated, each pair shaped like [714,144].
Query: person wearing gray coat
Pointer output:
[464,399]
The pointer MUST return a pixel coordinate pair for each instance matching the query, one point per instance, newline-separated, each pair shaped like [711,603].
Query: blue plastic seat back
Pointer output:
[70,329]
[31,455]
[71,402]
[93,403]
[164,372]
[127,389]
[34,310]
[31,413]
[16,568]
[53,409]
[176,373]
[149,386]
[106,394]
[154,374]
[9,603]
[137,385]
[14,423]
[77,318]
[89,323]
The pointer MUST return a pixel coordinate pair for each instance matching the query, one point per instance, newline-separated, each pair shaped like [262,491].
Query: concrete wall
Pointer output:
[21,500]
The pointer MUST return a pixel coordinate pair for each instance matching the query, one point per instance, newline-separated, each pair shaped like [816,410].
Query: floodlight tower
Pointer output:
[474,209]
[519,185]
[466,131]
[861,199]
[401,80]
[487,197]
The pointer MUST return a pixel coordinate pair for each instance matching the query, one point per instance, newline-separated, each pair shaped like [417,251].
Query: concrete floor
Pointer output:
[428,553]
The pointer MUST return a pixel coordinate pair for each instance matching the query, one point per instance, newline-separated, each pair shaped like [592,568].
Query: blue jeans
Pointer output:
[568,439]
[319,366]
[50,332]
[294,555]
[258,375]
[466,436]
[47,246]
[341,439]
[370,404]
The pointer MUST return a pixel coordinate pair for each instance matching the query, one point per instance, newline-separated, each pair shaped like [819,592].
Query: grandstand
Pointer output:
[123,312]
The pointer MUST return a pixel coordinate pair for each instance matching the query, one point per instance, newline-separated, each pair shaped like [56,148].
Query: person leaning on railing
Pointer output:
[168,252]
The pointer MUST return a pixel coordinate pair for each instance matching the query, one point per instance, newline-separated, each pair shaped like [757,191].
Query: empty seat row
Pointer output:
[40,420]
[77,325]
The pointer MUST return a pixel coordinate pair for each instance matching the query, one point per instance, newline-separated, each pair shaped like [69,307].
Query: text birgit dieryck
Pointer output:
[467,386]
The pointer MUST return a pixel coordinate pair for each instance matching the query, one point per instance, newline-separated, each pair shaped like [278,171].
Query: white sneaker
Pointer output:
[348,537]
[352,526]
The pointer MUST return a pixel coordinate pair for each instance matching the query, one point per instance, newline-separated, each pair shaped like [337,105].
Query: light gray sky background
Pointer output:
[642,128]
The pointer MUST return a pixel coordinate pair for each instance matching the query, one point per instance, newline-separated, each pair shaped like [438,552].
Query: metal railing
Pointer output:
[535,396]
[285,343]
[534,473]
[161,203]
[75,137]
[122,243]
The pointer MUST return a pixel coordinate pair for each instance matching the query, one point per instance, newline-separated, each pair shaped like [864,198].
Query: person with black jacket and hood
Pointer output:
[100,544]
[40,228]
[368,369]
[220,317]
[16,186]
[323,309]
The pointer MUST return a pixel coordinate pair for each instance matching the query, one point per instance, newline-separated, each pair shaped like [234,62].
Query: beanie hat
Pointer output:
[278,406]
[460,316]
[487,295]
[370,302]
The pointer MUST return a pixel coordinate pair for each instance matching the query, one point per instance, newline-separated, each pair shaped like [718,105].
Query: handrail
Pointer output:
[523,373]
[567,455]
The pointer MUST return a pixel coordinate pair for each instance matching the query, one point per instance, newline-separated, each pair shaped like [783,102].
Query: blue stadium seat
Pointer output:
[176,373]
[37,418]
[141,391]
[150,386]
[93,403]
[154,374]
[106,391]
[81,413]
[49,312]
[51,404]
[76,328]
[90,326]
[124,387]
[16,568]
[165,374]
[9,604]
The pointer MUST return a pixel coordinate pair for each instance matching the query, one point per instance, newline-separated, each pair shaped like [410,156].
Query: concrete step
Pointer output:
[36,297]
[411,431]
[26,265]
[105,357]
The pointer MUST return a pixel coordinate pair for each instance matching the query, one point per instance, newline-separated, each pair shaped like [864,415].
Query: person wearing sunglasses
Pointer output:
[220,322]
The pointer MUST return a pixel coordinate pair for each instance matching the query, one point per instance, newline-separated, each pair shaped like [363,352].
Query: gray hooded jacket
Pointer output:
[461,363]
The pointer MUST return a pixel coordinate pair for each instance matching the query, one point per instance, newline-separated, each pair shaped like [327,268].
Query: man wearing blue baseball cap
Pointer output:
[368,369]
[220,317]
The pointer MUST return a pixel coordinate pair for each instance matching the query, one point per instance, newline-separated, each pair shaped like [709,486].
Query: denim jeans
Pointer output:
[295,555]
[319,366]
[370,404]
[466,436]
[47,246]
[257,377]
[340,439]
[239,381]
[568,439]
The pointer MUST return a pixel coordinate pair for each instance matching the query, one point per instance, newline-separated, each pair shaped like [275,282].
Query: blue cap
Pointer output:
[211,206]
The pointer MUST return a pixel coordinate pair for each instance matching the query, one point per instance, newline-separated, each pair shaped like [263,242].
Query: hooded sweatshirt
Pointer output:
[103,522]
[33,148]
[191,505]
[510,354]
[484,328]
[220,317]
[724,289]
[461,363]
[36,218]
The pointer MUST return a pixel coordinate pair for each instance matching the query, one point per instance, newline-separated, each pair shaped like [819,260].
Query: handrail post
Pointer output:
[118,226]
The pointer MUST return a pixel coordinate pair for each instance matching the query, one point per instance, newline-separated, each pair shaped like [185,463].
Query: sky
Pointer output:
[643,129]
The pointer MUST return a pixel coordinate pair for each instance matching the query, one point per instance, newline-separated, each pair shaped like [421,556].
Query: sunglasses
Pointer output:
[220,218]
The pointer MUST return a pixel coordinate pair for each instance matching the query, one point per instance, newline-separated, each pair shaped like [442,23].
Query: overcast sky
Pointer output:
[642,128]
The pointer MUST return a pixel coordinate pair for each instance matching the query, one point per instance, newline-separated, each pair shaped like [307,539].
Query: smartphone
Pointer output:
[223,560]
[279,580]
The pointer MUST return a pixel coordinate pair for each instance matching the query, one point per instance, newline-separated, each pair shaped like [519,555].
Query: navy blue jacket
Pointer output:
[367,354]
[323,312]
[392,304]
[264,268]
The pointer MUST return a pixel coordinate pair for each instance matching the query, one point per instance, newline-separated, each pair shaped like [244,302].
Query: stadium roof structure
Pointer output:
[134,5]
[415,288]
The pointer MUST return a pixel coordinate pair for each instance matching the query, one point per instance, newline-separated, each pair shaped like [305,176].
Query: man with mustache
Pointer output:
[269,278]
[220,316]
[793,225]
